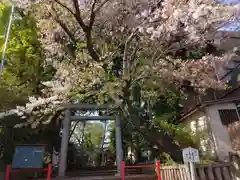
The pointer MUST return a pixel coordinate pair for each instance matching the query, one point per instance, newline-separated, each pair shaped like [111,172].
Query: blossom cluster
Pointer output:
[169,26]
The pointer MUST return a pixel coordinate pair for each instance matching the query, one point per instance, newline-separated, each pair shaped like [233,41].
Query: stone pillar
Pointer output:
[119,151]
[64,144]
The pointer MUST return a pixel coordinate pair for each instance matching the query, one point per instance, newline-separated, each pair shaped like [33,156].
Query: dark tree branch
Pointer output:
[64,6]
[88,32]
[72,131]
[78,16]
[64,27]
[67,31]
[87,29]
[90,47]
[92,16]
[100,6]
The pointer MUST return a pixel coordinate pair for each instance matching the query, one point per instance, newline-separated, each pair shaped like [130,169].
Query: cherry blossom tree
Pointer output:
[81,38]
[125,52]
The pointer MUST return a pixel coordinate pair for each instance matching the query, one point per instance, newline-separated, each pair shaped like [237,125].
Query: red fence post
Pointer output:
[8,170]
[122,170]
[158,170]
[49,172]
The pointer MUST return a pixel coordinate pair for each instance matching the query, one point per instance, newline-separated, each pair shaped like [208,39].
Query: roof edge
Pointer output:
[207,103]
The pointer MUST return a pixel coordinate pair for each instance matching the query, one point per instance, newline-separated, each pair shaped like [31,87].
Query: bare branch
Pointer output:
[64,6]
[100,6]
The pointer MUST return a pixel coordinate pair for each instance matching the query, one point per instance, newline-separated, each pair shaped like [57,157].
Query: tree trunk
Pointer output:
[165,143]
[155,137]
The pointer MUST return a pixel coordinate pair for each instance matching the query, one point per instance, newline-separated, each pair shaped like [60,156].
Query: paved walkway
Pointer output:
[132,177]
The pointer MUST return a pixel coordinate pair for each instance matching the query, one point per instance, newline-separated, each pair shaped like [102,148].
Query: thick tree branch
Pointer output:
[87,29]
[90,47]
[66,30]
[92,16]
[63,26]
[78,17]
[88,32]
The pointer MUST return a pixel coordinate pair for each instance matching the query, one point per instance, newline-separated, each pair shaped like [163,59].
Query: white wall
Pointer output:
[199,125]
[220,132]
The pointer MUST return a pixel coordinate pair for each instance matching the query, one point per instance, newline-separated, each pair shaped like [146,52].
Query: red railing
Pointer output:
[10,170]
[156,165]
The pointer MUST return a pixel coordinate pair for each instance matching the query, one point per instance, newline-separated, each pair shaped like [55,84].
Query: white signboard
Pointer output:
[190,155]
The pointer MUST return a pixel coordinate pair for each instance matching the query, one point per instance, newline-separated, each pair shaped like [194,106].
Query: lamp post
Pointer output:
[6,40]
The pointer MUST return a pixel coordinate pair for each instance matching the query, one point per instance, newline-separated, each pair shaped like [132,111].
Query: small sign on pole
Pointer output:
[190,155]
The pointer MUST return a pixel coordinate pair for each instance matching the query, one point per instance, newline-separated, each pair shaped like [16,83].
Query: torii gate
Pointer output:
[66,128]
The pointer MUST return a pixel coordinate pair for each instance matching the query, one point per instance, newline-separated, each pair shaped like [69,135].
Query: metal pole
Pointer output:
[6,40]
[119,150]
[64,144]
[192,171]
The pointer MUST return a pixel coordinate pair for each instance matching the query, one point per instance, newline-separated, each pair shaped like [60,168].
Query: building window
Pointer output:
[228,116]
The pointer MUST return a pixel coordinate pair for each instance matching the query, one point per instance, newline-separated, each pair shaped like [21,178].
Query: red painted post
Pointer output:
[8,170]
[49,172]
[158,170]
[123,170]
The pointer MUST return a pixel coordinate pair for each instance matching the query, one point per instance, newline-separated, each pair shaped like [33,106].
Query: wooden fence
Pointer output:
[213,172]
[198,172]
[179,172]
[218,171]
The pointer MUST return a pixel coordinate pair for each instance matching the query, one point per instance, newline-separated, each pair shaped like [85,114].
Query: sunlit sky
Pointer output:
[235,25]
[231,1]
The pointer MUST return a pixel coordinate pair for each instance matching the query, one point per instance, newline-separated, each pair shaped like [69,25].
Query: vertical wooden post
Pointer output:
[119,150]
[187,172]
[64,144]
[192,171]
[158,170]
[210,173]
[218,173]
[8,171]
[49,172]
[122,170]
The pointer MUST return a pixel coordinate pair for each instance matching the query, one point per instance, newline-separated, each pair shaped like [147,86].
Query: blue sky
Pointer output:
[230,1]
[235,25]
